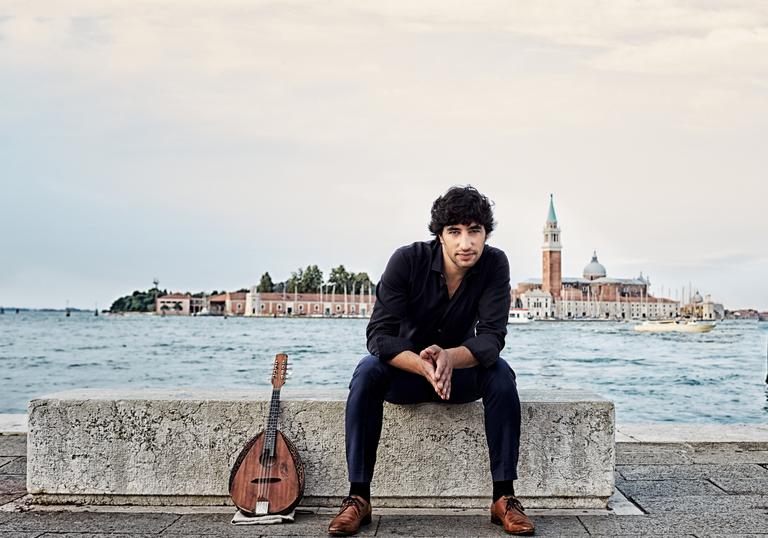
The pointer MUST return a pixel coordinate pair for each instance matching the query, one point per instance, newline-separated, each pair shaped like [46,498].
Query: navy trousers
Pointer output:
[376,381]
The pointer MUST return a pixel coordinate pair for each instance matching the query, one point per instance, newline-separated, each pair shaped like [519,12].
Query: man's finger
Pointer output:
[439,369]
[430,371]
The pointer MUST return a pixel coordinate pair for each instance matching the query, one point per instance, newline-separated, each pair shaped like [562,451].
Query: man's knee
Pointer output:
[500,378]
[370,371]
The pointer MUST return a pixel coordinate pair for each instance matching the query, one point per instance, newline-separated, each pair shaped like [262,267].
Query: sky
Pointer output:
[204,143]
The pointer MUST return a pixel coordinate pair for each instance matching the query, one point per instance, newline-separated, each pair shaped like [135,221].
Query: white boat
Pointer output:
[675,326]
[519,315]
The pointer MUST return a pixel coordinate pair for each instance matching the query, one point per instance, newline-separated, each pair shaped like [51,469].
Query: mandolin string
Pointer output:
[276,399]
[269,430]
[261,489]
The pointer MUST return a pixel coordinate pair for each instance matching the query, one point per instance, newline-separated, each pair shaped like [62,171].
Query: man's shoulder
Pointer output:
[495,255]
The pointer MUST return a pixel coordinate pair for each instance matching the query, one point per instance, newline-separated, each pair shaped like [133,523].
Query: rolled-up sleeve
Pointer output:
[492,315]
[383,332]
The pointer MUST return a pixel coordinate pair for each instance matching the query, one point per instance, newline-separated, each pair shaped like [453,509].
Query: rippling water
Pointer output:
[713,377]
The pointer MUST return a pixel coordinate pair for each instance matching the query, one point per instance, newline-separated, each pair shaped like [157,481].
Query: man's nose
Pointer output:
[466,241]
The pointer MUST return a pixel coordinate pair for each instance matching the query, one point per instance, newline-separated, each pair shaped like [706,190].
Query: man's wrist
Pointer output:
[462,357]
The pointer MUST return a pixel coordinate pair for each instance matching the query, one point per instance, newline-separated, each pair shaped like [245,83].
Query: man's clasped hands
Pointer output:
[437,366]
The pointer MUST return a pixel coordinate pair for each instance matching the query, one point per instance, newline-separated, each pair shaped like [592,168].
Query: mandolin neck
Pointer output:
[271,429]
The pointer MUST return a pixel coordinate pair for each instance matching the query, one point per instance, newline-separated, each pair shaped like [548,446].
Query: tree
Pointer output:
[362,282]
[292,284]
[265,284]
[138,301]
[311,279]
[340,277]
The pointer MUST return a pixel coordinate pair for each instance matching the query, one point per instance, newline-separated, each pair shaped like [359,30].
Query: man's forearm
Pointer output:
[408,361]
[462,357]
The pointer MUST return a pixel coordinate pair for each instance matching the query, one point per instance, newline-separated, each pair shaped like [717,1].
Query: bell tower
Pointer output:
[552,276]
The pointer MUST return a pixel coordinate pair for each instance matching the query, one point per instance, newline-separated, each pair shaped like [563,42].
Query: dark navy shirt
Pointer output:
[413,311]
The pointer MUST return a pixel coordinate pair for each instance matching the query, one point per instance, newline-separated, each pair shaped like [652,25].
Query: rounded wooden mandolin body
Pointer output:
[278,480]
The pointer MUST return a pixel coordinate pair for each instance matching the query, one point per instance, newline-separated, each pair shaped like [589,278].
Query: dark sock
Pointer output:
[363,489]
[501,488]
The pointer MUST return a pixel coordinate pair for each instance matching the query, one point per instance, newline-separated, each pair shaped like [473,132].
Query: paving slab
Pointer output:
[33,534]
[9,497]
[691,472]
[694,433]
[13,445]
[13,423]
[654,454]
[12,483]
[219,525]
[743,486]
[751,535]
[677,523]
[725,504]
[96,535]
[722,453]
[469,526]
[668,488]
[16,465]
[5,460]
[86,522]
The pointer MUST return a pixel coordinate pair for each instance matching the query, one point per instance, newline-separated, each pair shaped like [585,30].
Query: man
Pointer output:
[435,334]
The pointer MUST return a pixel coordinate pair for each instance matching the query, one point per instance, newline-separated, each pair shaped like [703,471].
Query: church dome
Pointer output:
[594,269]
[697,298]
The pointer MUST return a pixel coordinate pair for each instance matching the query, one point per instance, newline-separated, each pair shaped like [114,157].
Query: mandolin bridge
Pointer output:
[267,480]
[262,508]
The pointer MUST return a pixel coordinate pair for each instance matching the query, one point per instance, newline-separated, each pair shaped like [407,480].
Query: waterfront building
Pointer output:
[197,304]
[703,308]
[217,304]
[274,304]
[235,303]
[592,296]
[173,304]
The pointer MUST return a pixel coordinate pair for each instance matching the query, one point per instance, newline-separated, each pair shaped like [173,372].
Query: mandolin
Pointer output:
[268,475]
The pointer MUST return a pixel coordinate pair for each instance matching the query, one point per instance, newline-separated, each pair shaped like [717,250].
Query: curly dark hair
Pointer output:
[461,205]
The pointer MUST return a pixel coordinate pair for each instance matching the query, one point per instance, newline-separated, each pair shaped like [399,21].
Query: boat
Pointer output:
[519,315]
[675,326]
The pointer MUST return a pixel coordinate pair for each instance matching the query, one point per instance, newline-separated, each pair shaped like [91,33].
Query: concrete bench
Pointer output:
[176,447]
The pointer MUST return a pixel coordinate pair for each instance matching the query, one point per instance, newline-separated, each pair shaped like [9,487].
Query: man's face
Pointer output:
[462,244]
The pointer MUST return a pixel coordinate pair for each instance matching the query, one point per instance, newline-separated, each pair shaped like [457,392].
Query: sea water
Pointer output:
[664,377]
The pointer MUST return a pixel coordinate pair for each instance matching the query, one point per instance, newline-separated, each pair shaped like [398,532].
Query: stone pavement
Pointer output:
[700,488]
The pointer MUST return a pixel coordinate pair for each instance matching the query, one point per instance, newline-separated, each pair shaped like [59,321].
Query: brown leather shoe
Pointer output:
[355,511]
[509,512]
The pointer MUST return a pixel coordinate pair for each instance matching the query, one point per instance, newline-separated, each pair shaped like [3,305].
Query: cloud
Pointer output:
[719,54]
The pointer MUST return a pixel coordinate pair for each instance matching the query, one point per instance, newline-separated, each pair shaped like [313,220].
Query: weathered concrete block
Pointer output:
[177,446]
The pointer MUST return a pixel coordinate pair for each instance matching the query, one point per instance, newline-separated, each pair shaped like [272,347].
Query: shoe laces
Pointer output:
[512,502]
[350,501]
